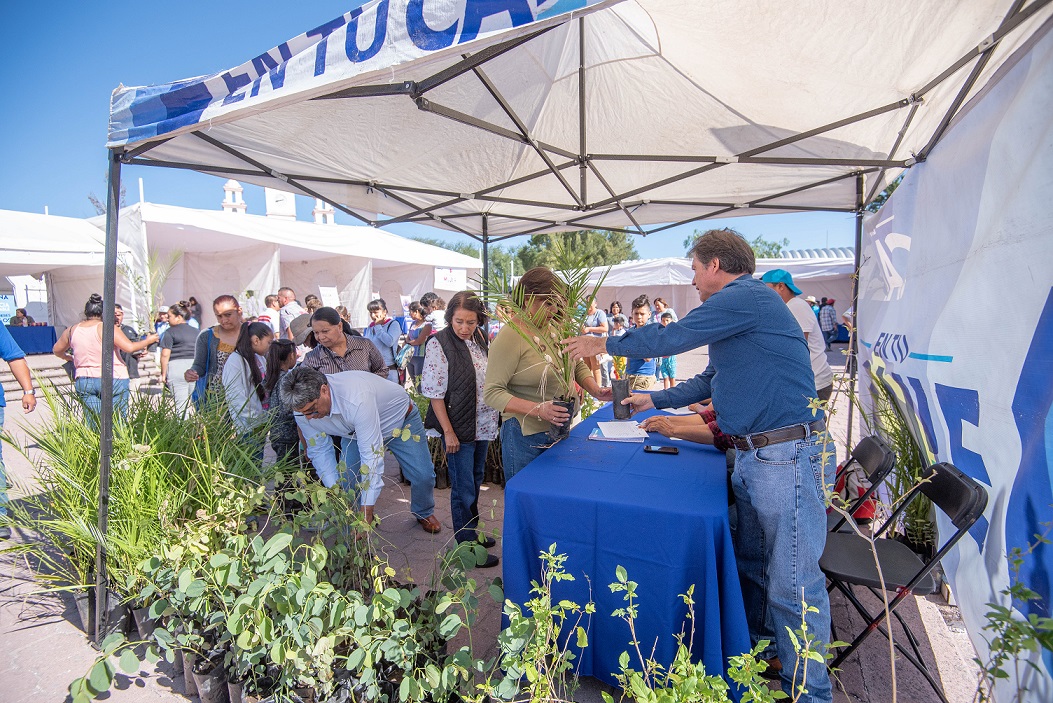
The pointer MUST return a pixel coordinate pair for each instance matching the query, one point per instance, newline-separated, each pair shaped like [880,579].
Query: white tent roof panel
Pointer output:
[767,99]
[32,244]
[190,230]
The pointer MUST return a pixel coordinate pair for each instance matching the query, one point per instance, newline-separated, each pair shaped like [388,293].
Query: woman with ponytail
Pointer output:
[243,382]
[82,344]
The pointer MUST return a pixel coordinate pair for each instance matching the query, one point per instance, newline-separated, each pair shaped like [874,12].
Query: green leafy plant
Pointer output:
[1015,639]
[536,660]
[684,681]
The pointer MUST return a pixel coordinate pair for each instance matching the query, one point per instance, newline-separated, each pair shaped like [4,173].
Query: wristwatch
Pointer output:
[31,392]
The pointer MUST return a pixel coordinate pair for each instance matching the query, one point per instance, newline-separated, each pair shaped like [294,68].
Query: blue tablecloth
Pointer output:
[34,340]
[664,518]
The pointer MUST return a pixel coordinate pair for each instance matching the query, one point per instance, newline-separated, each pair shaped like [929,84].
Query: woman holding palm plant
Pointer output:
[528,371]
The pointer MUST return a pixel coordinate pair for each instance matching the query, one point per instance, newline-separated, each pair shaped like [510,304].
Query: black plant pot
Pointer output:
[235,691]
[560,431]
[210,681]
[143,623]
[189,684]
[620,388]
[116,613]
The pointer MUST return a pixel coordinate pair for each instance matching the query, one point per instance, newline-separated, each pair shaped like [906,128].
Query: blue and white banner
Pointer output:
[376,37]
[956,318]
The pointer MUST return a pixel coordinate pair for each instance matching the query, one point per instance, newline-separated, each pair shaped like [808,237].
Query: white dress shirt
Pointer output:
[366,407]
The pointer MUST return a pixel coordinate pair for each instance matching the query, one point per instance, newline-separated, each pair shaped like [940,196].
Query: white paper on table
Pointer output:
[621,430]
[679,411]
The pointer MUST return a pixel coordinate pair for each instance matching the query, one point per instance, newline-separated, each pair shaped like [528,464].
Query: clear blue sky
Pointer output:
[64,59]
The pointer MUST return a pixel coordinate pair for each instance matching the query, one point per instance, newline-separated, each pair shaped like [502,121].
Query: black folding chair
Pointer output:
[849,560]
[876,460]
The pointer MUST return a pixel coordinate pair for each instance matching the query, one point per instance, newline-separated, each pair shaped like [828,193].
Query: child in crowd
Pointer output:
[436,316]
[619,325]
[667,364]
[414,339]
[640,372]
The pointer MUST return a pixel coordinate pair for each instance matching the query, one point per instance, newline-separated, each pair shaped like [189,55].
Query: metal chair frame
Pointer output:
[963,500]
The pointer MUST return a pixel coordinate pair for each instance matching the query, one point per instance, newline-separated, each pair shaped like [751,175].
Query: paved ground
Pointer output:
[45,649]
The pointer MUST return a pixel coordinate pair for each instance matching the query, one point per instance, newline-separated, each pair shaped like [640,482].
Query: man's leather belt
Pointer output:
[783,434]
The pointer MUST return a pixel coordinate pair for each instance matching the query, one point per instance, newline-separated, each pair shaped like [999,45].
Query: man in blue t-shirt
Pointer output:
[16,359]
[760,379]
[641,370]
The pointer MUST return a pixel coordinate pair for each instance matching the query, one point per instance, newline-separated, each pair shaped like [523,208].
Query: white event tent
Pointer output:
[670,279]
[67,251]
[498,119]
[214,252]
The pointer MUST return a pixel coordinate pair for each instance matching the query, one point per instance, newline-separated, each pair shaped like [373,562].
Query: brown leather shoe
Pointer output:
[430,524]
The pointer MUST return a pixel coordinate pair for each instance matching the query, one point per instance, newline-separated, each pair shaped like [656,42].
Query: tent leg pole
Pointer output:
[853,336]
[486,254]
[109,297]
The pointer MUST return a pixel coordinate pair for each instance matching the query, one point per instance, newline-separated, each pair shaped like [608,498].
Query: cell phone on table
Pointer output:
[655,449]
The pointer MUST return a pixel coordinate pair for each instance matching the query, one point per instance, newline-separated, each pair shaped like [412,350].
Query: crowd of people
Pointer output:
[302,376]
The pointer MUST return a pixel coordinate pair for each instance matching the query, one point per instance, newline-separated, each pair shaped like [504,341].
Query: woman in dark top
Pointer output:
[285,439]
[454,372]
[177,355]
[213,347]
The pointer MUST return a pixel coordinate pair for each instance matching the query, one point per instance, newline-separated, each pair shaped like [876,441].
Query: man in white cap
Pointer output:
[781,282]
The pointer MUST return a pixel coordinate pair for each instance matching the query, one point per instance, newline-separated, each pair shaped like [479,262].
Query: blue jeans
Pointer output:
[829,336]
[466,468]
[89,390]
[517,450]
[779,493]
[414,458]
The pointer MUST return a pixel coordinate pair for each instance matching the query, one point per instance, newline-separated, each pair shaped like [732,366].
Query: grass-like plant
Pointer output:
[164,469]
[888,420]
[562,315]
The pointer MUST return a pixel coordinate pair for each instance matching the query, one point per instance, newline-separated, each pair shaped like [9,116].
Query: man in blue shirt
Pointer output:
[641,370]
[760,380]
[16,359]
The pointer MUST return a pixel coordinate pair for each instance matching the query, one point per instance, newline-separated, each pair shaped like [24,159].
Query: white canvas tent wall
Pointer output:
[634,115]
[214,252]
[957,299]
[68,252]
[670,279]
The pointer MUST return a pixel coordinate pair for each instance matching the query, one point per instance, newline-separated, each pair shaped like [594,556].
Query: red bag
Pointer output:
[851,485]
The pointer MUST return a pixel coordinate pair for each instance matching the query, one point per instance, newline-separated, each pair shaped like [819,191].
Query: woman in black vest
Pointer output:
[454,371]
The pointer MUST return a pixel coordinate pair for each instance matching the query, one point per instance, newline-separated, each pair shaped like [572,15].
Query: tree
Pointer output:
[762,248]
[878,201]
[599,248]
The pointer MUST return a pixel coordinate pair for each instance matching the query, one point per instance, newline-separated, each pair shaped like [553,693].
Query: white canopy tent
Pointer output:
[499,119]
[502,118]
[670,279]
[67,251]
[213,252]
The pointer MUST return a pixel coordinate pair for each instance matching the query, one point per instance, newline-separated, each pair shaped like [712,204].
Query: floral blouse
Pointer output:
[436,377]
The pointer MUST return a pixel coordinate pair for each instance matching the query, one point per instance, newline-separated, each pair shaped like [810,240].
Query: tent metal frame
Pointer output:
[613,202]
